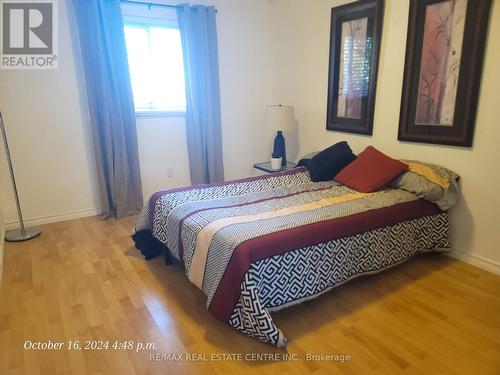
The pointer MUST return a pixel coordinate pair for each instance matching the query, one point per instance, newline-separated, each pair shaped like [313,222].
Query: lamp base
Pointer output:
[279,149]
[17,235]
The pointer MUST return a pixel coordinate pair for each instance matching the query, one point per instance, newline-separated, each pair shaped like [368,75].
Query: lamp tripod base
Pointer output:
[17,235]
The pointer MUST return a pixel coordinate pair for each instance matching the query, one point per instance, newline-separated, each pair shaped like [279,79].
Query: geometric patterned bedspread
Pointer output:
[260,244]
[287,279]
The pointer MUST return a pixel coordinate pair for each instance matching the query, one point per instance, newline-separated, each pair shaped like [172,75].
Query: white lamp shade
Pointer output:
[280,117]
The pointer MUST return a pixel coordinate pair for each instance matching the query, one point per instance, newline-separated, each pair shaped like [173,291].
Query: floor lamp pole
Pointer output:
[23,233]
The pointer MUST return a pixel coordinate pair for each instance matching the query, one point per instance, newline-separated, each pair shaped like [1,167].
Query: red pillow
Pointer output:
[371,171]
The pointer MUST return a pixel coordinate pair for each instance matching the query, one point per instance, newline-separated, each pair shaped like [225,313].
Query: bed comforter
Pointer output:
[260,244]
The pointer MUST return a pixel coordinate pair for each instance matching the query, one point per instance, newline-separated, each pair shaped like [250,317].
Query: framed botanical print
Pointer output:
[444,59]
[355,33]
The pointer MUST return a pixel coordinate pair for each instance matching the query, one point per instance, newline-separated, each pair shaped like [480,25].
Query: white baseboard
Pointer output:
[476,260]
[54,218]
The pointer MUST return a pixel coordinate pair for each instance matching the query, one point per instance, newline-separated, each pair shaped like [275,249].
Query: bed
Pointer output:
[260,244]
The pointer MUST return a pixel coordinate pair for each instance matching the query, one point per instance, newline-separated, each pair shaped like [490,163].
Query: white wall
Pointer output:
[48,139]
[245,62]
[162,153]
[47,121]
[301,40]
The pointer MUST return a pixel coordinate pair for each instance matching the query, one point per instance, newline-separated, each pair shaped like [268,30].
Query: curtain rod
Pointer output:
[150,4]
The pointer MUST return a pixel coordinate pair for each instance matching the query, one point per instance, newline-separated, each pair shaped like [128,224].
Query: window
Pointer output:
[156,68]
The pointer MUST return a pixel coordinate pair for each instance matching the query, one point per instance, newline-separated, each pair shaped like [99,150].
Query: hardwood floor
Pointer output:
[83,280]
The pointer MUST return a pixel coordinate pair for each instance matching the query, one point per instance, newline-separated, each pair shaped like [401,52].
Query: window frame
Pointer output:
[146,23]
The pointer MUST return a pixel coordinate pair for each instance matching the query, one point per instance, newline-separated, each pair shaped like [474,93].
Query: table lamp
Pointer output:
[280,118]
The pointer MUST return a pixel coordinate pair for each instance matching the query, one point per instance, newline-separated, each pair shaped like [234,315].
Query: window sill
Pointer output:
[154,114]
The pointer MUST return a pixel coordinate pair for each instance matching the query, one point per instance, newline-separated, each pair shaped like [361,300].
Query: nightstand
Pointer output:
[266,167]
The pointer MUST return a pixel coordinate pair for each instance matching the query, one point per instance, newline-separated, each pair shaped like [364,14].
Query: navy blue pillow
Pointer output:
[325,165]
[304,162]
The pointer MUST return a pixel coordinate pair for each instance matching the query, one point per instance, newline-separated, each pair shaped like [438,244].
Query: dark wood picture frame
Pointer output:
[459,131]
[362,121]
